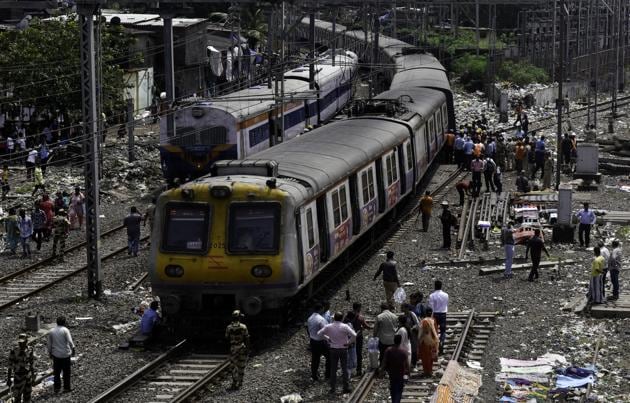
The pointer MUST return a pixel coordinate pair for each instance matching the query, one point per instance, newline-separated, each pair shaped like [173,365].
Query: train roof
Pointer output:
[253,100]
[430,77]
[425,100]
[325,156]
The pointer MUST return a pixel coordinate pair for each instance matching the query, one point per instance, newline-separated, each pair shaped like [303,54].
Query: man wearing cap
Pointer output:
[61,226]
[587,219]
[21,367]
[238,336]
[448,220]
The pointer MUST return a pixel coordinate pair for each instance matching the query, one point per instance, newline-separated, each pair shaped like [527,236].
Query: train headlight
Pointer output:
[261,271]
[173,270]
[220,192]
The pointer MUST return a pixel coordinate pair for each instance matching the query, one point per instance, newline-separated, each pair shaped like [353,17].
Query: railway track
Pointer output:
[175,376]
[35,278]
[550,121]
[466,339]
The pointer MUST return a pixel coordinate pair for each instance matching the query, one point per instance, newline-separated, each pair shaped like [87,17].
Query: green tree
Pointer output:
[40,66]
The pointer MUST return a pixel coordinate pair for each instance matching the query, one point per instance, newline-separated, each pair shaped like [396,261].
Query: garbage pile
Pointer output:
[547,377]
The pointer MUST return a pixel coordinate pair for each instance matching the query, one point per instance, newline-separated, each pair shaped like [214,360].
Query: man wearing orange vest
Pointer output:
[448,147]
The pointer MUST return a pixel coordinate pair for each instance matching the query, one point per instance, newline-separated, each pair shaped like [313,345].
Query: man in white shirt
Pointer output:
[60,349]
[31,159]
[438,301]
[340,336]
[319,347]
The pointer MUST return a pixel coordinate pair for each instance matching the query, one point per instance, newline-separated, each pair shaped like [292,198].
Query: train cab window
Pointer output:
[367,185]
[254,228]
[186,228]
[340,205]
[310,230]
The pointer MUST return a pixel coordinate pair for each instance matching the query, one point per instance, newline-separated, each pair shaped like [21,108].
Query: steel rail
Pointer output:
[462,338]
[63,277]
[197,386]
[50,259]
[139,374]
[361,391]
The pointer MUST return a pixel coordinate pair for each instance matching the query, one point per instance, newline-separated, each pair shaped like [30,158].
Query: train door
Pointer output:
[310,239]
[445,117]
[391,179]
[339,218]
[431,137]
[407,165]
[368,202]
[439,128]
[421,151]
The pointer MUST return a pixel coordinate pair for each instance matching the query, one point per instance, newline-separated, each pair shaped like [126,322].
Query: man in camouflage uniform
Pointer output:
[238,336]
[61,227]
[21,367]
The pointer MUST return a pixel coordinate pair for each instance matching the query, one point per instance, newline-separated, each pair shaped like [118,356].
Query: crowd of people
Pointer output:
[487,154]
[415,336]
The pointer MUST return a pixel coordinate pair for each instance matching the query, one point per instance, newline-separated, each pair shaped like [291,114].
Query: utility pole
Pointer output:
[130,138]
[311,54]
[270,26]
[559,101]
[90,126]
[169,72]
[375,53]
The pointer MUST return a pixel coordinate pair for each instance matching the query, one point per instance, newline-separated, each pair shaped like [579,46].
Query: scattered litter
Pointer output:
[292,398]
[84,318]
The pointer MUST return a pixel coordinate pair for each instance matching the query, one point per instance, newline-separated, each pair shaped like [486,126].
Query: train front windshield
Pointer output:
[187,227]
[254,228]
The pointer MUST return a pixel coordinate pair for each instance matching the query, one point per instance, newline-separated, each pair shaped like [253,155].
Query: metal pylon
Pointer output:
[90,133]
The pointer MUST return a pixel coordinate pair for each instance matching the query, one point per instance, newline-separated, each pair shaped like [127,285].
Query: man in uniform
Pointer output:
[21,366]
[61,227]
[238,336]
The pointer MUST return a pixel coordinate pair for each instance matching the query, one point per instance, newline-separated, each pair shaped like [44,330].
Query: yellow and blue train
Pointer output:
[260,230]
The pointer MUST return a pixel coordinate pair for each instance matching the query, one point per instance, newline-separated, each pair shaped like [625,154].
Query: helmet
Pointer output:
[23,338]
[236,314]
[444,203]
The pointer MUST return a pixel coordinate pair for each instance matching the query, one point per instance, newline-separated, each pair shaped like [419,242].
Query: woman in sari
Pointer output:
[428,343]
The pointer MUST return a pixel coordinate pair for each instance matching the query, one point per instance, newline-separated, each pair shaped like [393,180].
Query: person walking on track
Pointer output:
[536,246]
[390,277]
[426,206]
[238,337]
[448,220]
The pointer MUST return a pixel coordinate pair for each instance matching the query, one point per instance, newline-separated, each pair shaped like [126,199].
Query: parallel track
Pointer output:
[466,339]
[175,376]
[29,281]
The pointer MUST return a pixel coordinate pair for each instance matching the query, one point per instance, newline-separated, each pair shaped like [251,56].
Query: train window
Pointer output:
[254,228]
[213,135]
[186,228]
[367,185]
[336,209]
[258,134]
[439,121]
[344,203]
[388,167]
[310,231]
[409,156]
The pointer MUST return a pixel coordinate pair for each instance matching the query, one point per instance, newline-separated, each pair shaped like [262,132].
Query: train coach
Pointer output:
[245,122]
[259,231]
